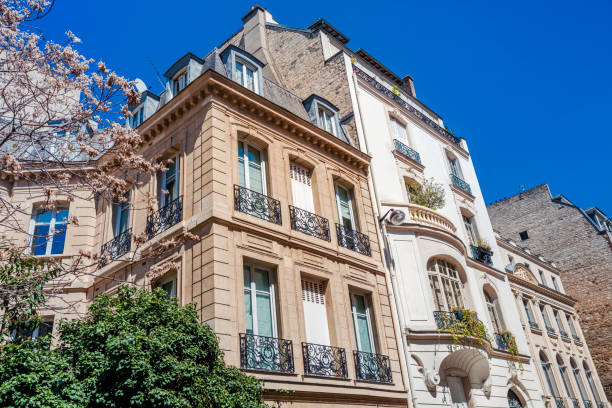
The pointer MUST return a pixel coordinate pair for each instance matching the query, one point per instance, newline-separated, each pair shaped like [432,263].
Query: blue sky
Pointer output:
[527,83]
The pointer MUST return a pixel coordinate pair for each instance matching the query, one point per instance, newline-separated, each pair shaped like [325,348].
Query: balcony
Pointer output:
[264,353]
[324,361]
[575,403]
[353,240]
[463,321]
[482,254]
[257,204]
[534,325]
[559,402]
[461,184]
[309,223]
[372,367]
[426,216]
[576,338]
[550,330]
[116,247]
[587,403]
[563,334]
[167,216]
[407,151]
[501,341]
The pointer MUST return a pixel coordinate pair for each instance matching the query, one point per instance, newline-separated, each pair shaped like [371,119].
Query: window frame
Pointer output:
[368,307]
[183,73]
[245,158]
[494,315]
[163,199]
[529,311]
[120,208]
[471,229]
[455,167]
[399,130]
[545,317]
[253,291]
[351,204]
[246,65]
[137,117]
[36,211]
[438,275]
[321,112]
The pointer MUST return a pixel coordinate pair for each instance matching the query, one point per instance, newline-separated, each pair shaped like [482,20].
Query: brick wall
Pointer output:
[562,234]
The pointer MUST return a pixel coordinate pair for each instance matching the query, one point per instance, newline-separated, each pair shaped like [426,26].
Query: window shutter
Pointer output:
[301,186]
[315,314]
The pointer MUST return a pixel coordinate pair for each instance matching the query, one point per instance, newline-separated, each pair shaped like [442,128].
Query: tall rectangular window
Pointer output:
[122,215]
[315,313]
[398,131]
[48,231]
[326,120]
[455,167]
[180,82]
[362,323]
[545,318]
[301,187]
[542,278]
[344,202]
[528,311]
[246,76]
[472,231]
[559,321]
[251,168]
[572,328]
[259,301]
[169,183]
[554,282]
[549,378]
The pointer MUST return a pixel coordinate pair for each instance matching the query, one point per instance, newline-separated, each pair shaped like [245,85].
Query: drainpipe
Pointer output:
[391,280]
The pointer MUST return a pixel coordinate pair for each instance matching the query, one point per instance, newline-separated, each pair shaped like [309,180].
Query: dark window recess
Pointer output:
[523,235]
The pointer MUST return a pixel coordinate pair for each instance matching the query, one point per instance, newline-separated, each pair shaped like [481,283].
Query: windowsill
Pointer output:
[325,377]
[256,371]
[54,256]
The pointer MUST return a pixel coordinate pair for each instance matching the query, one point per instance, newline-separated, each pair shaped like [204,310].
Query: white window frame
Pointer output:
[245,159]
[137,117]
[545,317]
[350,204]
[529,311]
[399,130]
[439,276]
[366,301]
[542,278]
[51,235]
[247,66]
[177,180]
[176,80]
[272,280]
[570,324]
[171,279]
[119,209]
[493,312]
[471,229]
[321,112]
[455,167]
[554,282]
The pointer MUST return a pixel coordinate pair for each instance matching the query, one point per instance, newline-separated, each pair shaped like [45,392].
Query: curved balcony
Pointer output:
[418,214]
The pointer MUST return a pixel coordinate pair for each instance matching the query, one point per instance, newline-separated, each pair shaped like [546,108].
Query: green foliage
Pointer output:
[482,243]
[450,131]
[135,349]
[430,194]
[512,347]
[465,327]
[395,91]
[22,278]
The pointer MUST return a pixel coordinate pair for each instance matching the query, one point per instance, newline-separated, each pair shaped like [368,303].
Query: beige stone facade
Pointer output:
[552,326]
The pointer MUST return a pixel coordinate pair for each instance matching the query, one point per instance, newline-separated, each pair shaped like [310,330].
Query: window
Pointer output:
[554,282]
[45,327]
[559,321]
[362,323]
[542,278]
[550,381]
[493,314]
[301,187]
[48,231]
[137,118]
[246,76]
[581,388]
[169,285]
[412,189]
[344,202]
[523,235]
[259,301]
[445,285]
[455,167]
[545,318]
[180,82]
[122,215]
[570,324]
[398,131]
[472,231]
[251,168]
[315,313]
[589,377]
[564,377]
[327,120]
[169,183]
[510,259]
[528,311]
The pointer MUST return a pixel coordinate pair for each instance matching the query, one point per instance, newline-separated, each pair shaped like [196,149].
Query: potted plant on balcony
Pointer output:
[512,347]
[429,194]
[466,326]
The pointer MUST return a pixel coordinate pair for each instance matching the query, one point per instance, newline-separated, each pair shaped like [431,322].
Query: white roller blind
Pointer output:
[315,314]
[301,187]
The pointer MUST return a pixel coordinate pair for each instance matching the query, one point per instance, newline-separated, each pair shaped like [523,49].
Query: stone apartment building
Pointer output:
[580,243]
[552,327]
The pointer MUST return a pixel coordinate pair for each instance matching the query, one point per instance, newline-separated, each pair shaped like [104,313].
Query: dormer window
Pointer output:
[180,82]
[327,120]
[137,117]
[246,76]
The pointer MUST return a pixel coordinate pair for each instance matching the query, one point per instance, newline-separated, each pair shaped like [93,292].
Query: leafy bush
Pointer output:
[430,194]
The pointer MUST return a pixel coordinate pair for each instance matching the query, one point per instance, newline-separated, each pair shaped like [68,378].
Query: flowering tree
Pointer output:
[59,133]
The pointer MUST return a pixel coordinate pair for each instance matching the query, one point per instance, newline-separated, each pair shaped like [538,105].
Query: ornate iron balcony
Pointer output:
[559,402]
[587,403]
[354,240]
[461,184]
[309,223]
[482,254]
[325,361]
[386,91]
[266,353]
[534,325]
[575,403]
[502,342]
[373,367]
[444,319]
[116,247]
[167,216]
[257,204]
[407,151]
[550,330]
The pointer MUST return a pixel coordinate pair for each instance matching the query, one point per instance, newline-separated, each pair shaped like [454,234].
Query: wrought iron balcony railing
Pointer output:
[325,361]
[444,320]
[461,184]
[309,223]
[501,341]
[559,402]
[266,353]
[575,403]
[482,254]
[354,240]
[533,325]
[116,247]
[587,403]
[407,151]
[550,330]
[563,334]
[257,204]
[167,216]
[373,367]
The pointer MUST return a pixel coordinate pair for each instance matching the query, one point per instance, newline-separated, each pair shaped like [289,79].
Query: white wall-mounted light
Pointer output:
[396,217]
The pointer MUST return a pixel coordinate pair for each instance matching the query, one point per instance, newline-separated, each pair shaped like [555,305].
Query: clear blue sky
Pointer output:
[527,83]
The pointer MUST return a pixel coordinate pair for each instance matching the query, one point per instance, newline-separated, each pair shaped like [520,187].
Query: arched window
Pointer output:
[513,400]
[564,377]
[548,375]
[493,313]
[445,285]
[589,377]
[576,371]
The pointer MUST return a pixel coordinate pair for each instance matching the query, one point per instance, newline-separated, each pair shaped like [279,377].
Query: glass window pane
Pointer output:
[248,311]
[264,315]
[241,164]
[61,215]
[58,239]
[44,217]
[250,79]
[168,288]
[39,246]
[262,281]
[364,333]
[359,304]
[239,68]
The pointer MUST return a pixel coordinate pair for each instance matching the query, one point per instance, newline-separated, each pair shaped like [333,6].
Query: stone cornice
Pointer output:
[213,84]
[533,258]
[553,294]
